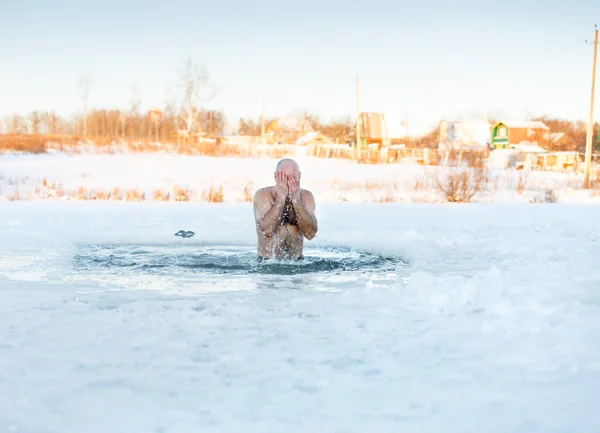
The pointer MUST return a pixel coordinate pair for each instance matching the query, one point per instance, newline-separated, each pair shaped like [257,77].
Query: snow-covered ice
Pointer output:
[489,323]
[31,177]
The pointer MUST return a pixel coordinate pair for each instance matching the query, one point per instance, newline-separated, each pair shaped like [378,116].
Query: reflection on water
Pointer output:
[217,259]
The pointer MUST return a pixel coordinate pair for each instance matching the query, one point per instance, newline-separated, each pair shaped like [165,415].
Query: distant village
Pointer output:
[524,144]
[555,145]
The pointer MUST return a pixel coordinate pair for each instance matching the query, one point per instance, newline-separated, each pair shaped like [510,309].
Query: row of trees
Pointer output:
[187,112]
[134,124]
[128,124]
[574,138]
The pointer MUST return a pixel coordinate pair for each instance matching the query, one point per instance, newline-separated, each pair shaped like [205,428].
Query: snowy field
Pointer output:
[152,177]
[403,317]
[406,317]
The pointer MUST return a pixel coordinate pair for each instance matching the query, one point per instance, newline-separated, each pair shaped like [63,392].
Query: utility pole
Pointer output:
[590,129]
[262,119]
[357,121]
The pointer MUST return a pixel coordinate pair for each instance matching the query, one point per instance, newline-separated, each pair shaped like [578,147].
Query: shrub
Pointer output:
[180,194]
[159,195]
[462,184]
[213,195]
[549,196]
[248,196]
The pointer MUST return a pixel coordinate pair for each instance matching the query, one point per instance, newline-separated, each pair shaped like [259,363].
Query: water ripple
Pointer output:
[216,259]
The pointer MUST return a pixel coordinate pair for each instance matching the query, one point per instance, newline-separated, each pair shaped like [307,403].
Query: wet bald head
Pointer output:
[289,167]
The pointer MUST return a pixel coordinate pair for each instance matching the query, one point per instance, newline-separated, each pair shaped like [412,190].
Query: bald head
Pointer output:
[289,167]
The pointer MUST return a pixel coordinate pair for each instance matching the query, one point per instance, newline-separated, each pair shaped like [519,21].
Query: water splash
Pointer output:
[224,259]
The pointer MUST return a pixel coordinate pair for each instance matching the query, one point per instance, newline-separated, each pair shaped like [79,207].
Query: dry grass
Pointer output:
[81,194]
[455,184]
[195,149]
[548,197]
[385,198]
[116,194]
[23,143]
[422,183]
[248,196]
[522,182]
[134,195]
[373,185]
[110,145]
[462,185]
[101,195]
[180,194]
[213,195]
[47,190]
[159,195]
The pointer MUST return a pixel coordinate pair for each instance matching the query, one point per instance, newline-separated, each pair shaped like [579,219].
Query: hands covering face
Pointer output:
[287,185]
[293,187]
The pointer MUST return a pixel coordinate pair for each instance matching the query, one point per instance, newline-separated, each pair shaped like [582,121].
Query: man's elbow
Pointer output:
[264,230]
[311,232]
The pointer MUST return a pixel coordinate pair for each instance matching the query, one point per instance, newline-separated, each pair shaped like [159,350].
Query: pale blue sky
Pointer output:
[435,59]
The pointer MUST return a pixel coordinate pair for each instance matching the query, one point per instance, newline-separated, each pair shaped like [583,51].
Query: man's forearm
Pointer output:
[307,223]
[271,220]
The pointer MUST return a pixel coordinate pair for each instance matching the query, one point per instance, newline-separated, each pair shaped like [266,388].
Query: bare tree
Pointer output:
[35,121]
[170,120]
[194,83]
[85,82]
[134,115]
[50,121]
[18,125]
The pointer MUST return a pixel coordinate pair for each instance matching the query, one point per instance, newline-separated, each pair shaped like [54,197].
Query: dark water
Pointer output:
[219,259]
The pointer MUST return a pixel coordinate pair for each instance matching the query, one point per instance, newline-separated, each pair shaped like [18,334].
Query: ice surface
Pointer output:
[492,325]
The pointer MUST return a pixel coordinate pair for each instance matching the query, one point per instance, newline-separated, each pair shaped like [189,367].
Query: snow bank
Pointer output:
[195,178]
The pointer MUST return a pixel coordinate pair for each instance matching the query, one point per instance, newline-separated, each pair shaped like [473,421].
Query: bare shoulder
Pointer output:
[307,198]
[306,193]
[263,200]
[263,194]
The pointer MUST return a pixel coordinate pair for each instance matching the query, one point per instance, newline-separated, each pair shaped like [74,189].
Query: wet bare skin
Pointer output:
[287,243]
[284,216]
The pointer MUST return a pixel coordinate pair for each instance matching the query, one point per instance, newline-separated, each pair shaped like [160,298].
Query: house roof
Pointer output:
[524,124]
[393,124]
[529,148]
[306,138]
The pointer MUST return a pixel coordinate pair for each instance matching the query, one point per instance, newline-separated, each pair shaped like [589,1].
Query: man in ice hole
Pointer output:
[284,214]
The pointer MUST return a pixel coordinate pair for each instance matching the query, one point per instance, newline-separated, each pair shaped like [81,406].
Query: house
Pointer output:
[463,134]
[382,128]
[389,128]
[288,129]
[313,138]
[505,133]
[373,127]
[561,161]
